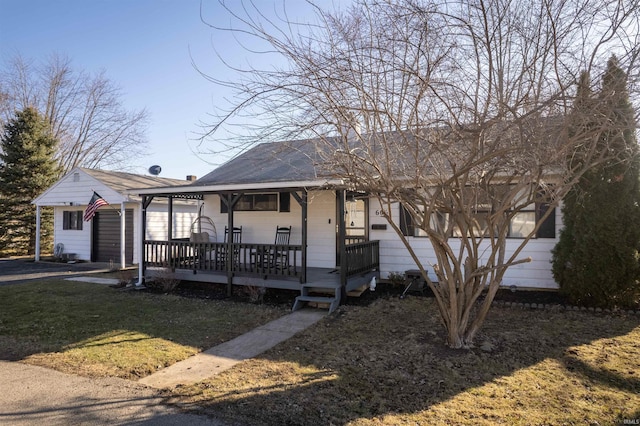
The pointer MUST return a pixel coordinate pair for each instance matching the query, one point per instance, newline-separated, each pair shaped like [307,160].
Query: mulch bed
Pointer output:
[275,297]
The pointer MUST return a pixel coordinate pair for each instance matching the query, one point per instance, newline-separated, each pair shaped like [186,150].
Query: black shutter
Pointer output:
[223,204]
[285,202]
[65,220]
[548,227]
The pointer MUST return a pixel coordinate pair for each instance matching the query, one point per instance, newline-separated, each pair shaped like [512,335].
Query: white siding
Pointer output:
[394,256]
[184,213]
[74,241]
[260,227]
[67,191]
[71,193]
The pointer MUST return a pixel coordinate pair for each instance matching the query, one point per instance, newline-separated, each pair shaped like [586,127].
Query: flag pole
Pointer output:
[108,204]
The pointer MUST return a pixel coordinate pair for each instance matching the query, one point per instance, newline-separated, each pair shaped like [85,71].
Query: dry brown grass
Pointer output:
[98,331]
[387,364]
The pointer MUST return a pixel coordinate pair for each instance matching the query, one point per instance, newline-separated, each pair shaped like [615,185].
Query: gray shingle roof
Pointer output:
[400,153]
[121,181]
[286,161]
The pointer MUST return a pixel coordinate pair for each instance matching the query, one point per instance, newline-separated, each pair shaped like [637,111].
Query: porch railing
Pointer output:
[259,259]
[362,257]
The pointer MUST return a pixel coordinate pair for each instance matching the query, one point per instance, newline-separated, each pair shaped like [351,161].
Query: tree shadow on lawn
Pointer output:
[390,359]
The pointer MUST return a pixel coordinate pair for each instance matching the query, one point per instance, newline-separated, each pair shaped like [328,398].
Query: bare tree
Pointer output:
[457,110]
[85,112]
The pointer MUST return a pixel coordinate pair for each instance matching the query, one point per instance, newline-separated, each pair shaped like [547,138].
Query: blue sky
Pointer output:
[145,47]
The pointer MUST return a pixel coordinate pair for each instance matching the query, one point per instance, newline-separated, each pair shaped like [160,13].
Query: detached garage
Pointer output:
[113,234]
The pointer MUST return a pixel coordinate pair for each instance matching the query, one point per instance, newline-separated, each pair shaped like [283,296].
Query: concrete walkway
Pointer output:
[95,280]
[22,270]
[224,356]
[31,395]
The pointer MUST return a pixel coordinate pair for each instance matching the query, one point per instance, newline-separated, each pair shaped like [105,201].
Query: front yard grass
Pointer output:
[97,331]
[387,364]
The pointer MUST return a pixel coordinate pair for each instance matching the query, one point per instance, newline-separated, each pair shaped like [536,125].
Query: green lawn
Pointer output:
[95,330]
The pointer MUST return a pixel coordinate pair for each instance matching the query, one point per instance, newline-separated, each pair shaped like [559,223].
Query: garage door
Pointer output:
[106,236]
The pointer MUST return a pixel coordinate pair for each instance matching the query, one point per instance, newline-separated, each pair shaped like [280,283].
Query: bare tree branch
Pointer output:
[85,112]
[458,110]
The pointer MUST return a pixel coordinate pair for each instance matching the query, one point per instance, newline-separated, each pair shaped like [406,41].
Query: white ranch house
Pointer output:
[113,234]
[279,185]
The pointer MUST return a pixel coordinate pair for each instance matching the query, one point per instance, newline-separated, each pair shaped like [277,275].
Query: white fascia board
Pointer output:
[195,189]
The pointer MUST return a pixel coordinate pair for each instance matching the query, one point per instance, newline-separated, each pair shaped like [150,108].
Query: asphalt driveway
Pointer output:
[15,271]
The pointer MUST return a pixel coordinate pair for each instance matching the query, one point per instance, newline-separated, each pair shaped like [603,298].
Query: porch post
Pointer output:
[342,232]
[37,253]
[123,259]
[142,264]
[305,211]
[302,201]
[170,232]
[231,203]
[170,218]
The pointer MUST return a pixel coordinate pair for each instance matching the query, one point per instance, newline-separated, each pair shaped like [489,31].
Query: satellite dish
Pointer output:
[155,170]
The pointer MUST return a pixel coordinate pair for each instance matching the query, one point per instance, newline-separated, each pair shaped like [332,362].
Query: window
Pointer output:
[521,224]
[72,220]
[479,228]
[439,222]
[253,202]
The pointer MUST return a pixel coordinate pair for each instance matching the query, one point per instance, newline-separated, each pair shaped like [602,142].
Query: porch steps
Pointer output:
[309,295]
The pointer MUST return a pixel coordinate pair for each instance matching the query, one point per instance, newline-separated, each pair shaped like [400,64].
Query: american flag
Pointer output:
[96,202]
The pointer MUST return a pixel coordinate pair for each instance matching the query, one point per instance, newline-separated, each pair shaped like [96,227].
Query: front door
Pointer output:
[356,216]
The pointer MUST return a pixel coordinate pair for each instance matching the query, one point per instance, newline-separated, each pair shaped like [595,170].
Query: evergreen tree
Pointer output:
[596,261]
[27,168]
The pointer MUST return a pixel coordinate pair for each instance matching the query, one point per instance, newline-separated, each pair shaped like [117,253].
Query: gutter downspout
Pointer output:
[143,231]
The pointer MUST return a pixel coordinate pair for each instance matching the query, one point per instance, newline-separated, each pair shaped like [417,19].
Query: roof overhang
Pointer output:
[190,191]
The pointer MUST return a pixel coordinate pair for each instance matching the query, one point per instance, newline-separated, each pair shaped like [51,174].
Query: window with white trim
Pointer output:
[72,220]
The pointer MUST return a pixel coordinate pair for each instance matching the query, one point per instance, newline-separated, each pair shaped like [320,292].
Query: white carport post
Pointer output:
[37,257]
[123,260]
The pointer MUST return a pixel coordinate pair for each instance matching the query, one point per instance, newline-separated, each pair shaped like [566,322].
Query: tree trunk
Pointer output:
[457,339]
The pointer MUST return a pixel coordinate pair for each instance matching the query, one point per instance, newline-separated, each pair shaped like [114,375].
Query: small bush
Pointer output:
[125,276]
[396,279]
[255,293]
[164,280]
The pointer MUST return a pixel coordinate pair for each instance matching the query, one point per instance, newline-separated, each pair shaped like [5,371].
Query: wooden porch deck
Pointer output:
[323,278]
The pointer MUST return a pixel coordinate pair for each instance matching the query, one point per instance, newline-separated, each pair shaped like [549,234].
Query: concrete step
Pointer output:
[321,285]
[331,302]
[317,299]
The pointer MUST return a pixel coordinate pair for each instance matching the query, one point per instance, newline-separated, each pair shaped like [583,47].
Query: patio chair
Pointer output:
[236,239]
[280,255]
[268,257]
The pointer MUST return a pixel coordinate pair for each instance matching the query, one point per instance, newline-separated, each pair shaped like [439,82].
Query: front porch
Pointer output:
[264,265]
